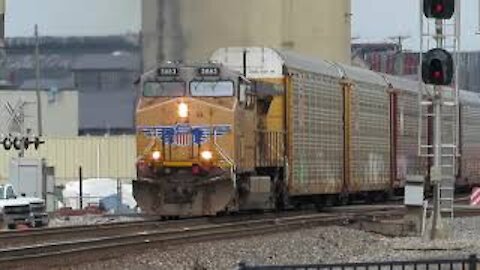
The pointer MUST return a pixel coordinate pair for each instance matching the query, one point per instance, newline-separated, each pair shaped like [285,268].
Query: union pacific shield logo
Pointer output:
[184,135]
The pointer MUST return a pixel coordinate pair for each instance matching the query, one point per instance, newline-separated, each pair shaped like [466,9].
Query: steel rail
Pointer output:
[33,236]
[43,235]
[67,252]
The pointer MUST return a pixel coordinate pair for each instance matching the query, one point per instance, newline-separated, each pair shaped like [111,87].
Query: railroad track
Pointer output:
[52,234]
[41,235]
[54,253]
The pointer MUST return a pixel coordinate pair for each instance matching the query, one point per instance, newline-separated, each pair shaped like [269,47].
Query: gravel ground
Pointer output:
[319,245]
[89,220]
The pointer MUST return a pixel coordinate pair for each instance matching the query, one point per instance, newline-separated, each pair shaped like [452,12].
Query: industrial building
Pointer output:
[102,69]
[192,29]
[86,88]
[389,58]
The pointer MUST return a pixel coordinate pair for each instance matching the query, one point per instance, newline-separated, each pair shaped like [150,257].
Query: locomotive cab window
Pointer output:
[164,89]
[211,88]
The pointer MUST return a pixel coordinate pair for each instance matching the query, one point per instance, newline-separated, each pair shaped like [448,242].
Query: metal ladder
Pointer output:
[449,109]
[449,147]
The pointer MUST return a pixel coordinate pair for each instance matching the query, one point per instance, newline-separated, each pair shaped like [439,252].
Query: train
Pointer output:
[257,128]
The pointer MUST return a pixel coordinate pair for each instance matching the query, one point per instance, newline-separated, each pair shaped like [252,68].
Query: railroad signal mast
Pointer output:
[438,102]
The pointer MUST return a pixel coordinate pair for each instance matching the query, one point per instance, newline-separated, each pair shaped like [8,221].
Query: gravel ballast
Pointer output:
[318,245]
[89,220]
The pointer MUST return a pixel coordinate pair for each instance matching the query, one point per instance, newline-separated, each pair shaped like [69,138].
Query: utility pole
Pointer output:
[478,29]
[400,39]
[437,136]
[3,55]
[37,82]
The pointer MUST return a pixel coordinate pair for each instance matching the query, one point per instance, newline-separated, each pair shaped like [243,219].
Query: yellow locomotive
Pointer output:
[196,142]
[259,128]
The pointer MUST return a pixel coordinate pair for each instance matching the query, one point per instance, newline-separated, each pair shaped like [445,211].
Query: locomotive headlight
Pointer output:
[156,155]
[183,110]
[206,155]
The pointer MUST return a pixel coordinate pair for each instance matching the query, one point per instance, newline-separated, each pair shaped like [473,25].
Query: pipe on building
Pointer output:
[2,20]
[3,54]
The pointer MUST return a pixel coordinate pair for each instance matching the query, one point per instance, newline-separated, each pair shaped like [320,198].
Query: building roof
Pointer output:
[114,61]
[50,61]
[125,42]
[64,83]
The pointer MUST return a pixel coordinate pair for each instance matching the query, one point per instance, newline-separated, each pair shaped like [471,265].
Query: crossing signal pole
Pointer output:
[439,105]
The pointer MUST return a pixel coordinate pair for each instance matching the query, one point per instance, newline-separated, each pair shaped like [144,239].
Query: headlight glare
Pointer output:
[183,110]
[156,155]
[206,155]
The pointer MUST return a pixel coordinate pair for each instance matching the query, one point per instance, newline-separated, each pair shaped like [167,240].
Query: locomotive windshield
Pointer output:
[164,89]
[211,89]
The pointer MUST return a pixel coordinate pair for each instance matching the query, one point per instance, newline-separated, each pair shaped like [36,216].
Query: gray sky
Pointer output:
[72,17]
[372,19]
[380,19]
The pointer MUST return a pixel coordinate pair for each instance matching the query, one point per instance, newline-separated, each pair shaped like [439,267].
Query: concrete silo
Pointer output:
[192,29]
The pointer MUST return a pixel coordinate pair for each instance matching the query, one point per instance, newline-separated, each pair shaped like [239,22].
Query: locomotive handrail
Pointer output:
[226,158]
[220,150]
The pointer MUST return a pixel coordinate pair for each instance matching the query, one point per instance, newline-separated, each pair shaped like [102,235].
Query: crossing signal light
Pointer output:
[439,9]
[437,67]
[16,143]
[36,142]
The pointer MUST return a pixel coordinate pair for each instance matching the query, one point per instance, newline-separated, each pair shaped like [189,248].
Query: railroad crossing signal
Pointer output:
[439,9]
[19,143]
[437,67]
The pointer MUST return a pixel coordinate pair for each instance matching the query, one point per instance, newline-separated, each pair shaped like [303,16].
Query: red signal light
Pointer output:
[437,67]
[439,9]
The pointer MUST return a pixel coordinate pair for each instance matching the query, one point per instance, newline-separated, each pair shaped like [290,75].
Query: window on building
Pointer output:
[10,194]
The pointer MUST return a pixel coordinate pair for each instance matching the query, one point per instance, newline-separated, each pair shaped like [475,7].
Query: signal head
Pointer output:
[439,9]
[437,67]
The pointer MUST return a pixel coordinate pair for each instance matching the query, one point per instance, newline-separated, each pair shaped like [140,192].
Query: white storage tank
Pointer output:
[192,29]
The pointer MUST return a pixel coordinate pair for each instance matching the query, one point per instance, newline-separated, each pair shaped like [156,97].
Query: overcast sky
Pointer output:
[380,19]
[372,19]
[72,17]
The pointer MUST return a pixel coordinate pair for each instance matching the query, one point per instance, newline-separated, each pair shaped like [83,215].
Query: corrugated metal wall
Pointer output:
[370,137]
[104,157]
[317,135]
[408,161]
[470,162]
